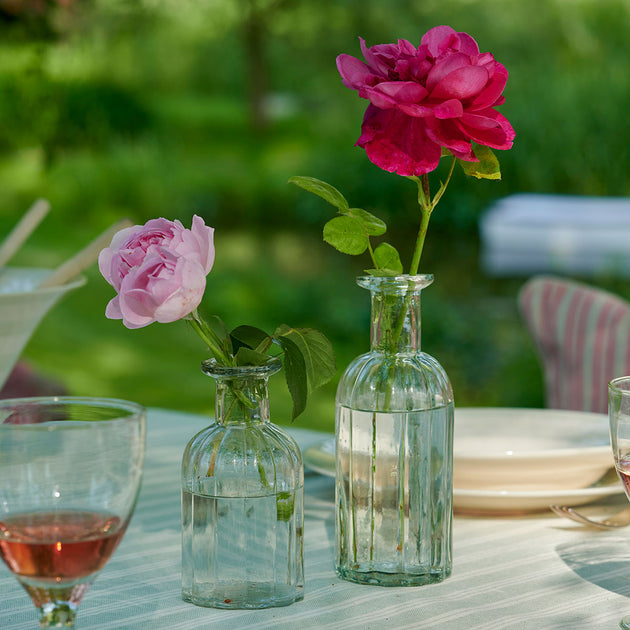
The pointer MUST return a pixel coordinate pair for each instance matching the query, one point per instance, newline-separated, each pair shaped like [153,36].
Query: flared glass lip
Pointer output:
[212,368]
[402,282]
[620,385]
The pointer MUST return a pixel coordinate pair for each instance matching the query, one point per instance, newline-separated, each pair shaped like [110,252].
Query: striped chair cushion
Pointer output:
[583,338]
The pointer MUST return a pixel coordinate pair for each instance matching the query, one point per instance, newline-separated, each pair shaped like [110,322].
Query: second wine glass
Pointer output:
[619,418]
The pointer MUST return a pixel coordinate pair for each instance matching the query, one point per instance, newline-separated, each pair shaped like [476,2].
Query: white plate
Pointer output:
[526,450]
[488,502]
[540,439]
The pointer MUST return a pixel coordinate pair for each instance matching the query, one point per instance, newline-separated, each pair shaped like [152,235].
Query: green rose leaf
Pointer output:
[247,356]
[316,351]
[321,189]
[388,259]
[252,337]
[295,374]
[346,235]
[373,225]
[487,167]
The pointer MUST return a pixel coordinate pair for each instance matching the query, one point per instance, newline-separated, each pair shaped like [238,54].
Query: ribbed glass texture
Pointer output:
[242,501]
[394,445]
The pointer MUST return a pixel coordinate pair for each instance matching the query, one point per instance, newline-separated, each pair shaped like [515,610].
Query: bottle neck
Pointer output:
[242,393]
[395,325]
[242,400]
[395,312]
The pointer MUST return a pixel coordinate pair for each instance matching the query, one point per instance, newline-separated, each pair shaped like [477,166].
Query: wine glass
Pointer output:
[70,471]
[619,417]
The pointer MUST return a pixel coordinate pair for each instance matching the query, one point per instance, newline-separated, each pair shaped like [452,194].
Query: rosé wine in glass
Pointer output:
[619,419]
[59,531]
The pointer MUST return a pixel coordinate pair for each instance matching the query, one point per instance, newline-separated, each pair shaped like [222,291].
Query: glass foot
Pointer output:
[57,615]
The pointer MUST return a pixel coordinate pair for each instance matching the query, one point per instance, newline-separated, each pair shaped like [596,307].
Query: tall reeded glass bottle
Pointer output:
[394,445]
[242,500]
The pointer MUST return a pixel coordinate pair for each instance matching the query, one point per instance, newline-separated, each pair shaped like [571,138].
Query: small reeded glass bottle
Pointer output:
[394,445]
[242,500]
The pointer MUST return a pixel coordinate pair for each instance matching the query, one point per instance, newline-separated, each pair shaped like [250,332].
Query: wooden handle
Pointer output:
[23,230]
[84,258]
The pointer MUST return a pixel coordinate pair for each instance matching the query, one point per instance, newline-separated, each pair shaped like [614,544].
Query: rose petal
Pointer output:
[445,67]
[490,96]
[376,65]
[467,44]
[449,109]
[137,309]
[399,144]
[492,130]
[205,237]
[438,39]
[417,111]
[112,310]
[354,72]
[462,83]
[446,133]
[391,93]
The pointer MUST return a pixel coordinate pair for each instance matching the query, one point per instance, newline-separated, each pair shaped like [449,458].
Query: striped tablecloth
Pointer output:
[536,572]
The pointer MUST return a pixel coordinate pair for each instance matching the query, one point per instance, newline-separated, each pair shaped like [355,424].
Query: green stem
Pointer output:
[210,338]
[371,251]
[427,205]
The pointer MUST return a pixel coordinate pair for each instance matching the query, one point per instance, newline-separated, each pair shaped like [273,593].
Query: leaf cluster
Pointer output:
[308,356]
[351,231]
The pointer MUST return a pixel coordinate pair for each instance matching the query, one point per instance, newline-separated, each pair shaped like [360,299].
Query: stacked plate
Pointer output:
[518,460]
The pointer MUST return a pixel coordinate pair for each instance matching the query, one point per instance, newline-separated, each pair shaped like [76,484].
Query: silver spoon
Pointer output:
[621,519]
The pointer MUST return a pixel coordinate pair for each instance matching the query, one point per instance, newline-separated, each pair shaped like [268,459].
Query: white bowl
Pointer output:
[499,449]
[22,306]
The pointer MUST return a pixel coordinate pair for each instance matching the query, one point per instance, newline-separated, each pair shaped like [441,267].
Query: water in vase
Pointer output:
[393,493]
[240,552]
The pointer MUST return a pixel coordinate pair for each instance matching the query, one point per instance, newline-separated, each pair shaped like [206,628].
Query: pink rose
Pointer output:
[158,269]
[441,94]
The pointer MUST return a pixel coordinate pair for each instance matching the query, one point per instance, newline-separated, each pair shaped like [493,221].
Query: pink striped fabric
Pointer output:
[582,335]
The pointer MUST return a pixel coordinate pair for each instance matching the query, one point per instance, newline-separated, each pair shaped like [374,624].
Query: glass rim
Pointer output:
[614,385]
[211,367]
[404,281]
[134,411]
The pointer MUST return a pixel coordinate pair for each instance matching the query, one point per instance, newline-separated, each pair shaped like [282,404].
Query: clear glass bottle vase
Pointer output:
[394,445]
[242,500]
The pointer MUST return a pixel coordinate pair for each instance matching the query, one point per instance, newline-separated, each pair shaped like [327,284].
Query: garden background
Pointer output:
[147,108]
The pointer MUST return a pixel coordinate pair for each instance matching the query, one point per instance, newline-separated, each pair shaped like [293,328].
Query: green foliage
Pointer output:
[142,109]
[388,261]
[487,167]
[346,235]
[321,189]
[317,351]
[309,359]
[295,373]
[351,232]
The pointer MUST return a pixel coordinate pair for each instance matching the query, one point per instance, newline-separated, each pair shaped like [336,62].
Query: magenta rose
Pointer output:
[441,94]
[158,269]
